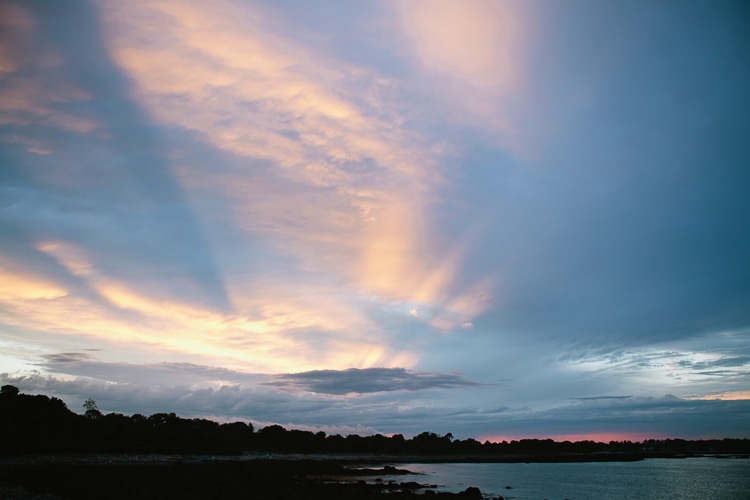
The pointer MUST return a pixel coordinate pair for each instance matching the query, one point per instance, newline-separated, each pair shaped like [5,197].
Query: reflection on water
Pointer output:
[690,478]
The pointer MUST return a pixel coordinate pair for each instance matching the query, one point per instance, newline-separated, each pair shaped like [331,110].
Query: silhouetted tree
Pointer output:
[9,391]
[273,437]
[429,442]
[237,435]
[92,410]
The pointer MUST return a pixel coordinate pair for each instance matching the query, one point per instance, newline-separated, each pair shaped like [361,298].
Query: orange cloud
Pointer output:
[361,184]
[343,193]
[73,257]
[23,286]
[280,330]
[726,396]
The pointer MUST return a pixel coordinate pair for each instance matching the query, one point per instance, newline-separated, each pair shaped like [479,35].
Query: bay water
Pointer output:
[687,478]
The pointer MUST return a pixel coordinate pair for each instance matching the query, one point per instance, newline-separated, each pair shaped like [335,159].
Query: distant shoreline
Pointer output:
[347,459]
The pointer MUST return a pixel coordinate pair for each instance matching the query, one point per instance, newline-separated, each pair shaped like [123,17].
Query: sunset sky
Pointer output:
[498,219]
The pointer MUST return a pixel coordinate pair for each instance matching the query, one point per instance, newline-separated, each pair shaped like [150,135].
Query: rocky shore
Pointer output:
[219,479]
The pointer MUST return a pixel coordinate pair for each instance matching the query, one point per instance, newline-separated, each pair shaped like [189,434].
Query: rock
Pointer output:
[471,493]
[411,485]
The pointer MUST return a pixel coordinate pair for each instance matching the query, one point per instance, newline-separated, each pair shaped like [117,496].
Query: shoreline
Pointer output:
[93,478]
[282,476]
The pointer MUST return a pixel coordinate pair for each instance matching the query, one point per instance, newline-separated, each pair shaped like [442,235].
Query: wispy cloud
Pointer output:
[308,169]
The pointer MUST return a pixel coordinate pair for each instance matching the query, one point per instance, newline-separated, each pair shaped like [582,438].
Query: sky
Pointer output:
[498,219]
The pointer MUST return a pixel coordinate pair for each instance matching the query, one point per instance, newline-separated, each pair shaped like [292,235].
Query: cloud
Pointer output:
[727,396]
[80,364]
[471,70]
[100,188]
[23,285]
[596,398]
[700,354]
[732,361]
[335,382]
[66,359]
[359,186]
[275,331]
[355,381]
[472,40]
[308,177]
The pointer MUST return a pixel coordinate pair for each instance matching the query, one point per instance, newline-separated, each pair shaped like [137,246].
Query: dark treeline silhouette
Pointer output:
[37,423]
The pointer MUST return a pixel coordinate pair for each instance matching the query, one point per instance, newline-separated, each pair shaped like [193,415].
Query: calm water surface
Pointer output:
[690,478]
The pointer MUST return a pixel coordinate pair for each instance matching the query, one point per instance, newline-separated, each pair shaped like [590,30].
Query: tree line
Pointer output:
[39,423]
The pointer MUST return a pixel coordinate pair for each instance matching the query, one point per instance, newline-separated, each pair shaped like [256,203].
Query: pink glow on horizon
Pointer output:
[599,437]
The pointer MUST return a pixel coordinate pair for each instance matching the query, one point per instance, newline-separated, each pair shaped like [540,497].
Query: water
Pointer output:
[690,478]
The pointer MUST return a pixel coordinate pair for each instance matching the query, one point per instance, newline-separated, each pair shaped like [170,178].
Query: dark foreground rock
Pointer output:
[261,479]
